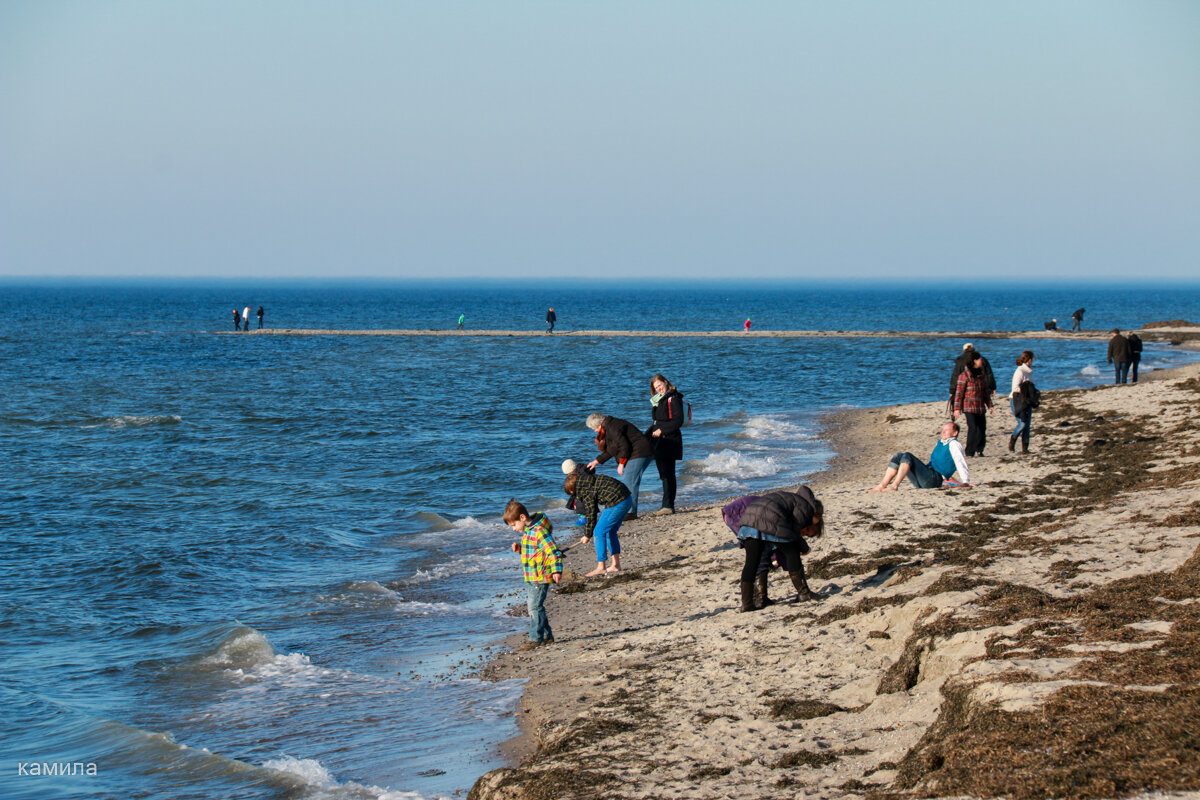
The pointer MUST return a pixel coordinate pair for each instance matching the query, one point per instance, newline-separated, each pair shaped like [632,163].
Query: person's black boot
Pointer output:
[747,595]
[1024,446]
[760,591]
[801,584]
[1012,444]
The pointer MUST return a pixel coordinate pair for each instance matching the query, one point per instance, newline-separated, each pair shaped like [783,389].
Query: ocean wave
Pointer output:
[458,566]
[244,648]
[1091,371]
[136,421]
[736,464]
[316,776]
[763,427]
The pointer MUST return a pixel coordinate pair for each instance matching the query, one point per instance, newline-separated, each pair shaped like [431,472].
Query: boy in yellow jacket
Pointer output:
[541,561]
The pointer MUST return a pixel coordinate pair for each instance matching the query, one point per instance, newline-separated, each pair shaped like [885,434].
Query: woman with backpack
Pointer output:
[668,409]
[1022,401]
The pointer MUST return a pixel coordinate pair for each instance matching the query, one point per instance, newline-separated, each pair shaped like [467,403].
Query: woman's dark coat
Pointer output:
[668,418]
[623,441]
[782,514]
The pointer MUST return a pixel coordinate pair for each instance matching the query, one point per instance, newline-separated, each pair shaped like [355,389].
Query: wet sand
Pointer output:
[1036,635]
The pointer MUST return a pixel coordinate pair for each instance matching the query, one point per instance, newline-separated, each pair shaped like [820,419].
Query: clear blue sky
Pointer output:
[733,140]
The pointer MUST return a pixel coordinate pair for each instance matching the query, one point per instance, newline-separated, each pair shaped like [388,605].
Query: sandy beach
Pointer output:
[1034,636]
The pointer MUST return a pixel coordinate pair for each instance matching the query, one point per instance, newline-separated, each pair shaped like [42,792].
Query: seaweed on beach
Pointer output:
[790,708]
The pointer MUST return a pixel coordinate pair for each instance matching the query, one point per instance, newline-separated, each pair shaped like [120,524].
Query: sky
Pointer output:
[730,141]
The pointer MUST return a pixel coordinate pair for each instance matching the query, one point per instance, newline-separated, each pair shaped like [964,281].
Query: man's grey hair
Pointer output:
[594,421]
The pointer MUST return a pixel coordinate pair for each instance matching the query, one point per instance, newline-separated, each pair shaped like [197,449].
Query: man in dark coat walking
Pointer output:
[1119,356]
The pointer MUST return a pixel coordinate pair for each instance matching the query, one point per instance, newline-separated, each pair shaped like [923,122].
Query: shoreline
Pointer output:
[1156,334]
[622,640]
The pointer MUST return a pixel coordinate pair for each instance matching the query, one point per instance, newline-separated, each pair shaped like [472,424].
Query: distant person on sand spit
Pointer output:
[260,313]
[946,459]
[237,320]
[246,319]
[746,325]
[541,563]
[461,319]
[1021,400]
[1119,356]
[1077,319]
[590,492]
[784,519]
[973,399]
[1135,354]
[551,318]
[667,409]
[619,439]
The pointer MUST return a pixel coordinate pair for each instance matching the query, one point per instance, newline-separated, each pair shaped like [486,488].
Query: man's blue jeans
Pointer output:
[535,601]
[1024,421]
[1122,371]
[632,478]
[920,474]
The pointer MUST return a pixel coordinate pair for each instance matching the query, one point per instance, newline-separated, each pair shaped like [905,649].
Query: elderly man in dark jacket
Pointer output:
[785,519]
[1119,356]
[621,440]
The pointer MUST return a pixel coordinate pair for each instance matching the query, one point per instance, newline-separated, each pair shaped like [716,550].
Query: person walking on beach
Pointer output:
[746,325]
[1019,400]
[966,357]
[784,519]
[541,563]
[973,399]
[1119,356]
[1077,319]
[246,319]
[619,439]
[260,313]
[589,492]
[461,319]
[945,461]
[237,320]
[1135,354]
[551,318]
[667,410]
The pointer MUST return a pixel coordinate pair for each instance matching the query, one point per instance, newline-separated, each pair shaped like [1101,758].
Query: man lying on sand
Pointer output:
[946,459]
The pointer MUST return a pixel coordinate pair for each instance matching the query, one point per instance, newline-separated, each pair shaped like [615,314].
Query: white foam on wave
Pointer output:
[1091,370]
[317,776]
[243,649]
[763,427]
[458,566]
[735,464]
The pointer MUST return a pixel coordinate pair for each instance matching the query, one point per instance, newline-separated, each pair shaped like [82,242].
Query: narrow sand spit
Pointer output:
[1035,636]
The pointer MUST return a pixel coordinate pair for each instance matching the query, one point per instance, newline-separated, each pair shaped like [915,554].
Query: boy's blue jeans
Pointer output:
[605,533]
[920,474]
[535,601]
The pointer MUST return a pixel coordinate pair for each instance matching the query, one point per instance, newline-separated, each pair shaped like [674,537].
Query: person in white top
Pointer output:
[246,317]
[946,460]
[1023,416]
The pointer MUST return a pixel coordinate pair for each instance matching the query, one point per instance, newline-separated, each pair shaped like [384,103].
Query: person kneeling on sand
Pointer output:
[946,459]
[588,493]
[785,520]
[541,561]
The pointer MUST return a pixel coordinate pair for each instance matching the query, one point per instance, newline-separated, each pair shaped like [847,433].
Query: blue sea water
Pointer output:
[267,567]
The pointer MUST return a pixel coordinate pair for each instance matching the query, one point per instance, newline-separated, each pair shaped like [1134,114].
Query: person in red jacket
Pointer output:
[973,399]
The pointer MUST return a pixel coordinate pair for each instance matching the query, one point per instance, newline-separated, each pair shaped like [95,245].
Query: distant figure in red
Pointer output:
[747,325]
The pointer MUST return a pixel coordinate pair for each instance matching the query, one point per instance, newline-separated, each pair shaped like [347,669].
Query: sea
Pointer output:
[241,566]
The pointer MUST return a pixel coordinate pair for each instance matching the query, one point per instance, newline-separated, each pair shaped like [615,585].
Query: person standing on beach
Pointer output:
[1077,319]
[784,519]
[237,320]
[541,563]
[551,318]
[1018,401]
[260,313]
[619,439]
[1135,354]
[246,319]
[461,319]
[667,409]
[966,357]
[589,492]
[1119,356]
[946,460]
[973,399]
[746,326]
